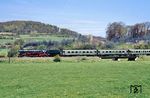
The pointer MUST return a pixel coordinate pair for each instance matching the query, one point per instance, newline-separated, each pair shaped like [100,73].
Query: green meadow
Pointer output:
[28,38]
[73,79]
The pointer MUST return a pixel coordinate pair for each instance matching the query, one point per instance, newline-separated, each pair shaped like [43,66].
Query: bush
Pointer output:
[108,45]
[57,58]
[82,58]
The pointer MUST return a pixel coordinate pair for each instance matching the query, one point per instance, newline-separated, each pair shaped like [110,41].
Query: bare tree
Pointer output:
[115,31]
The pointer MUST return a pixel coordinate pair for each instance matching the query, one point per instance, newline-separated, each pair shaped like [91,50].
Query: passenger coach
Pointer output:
[79,53]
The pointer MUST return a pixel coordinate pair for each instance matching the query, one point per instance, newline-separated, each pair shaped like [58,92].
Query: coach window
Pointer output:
[72,51]
[90,51]
[76,51]
[83,51]
[68,51]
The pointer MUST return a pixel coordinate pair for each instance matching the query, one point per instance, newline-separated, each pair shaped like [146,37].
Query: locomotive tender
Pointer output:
[131,54]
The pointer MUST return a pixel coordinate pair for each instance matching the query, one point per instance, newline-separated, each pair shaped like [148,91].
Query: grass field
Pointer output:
[83,79]
[27,38]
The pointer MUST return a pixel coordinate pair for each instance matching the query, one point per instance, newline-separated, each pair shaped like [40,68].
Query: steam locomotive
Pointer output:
[38,53]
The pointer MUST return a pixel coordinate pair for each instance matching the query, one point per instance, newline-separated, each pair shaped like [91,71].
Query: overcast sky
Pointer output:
[83,16]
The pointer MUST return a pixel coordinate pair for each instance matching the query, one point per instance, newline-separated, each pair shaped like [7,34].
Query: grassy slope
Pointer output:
[105,79]
[28,38]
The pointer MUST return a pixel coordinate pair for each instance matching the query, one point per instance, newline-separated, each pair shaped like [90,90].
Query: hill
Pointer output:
[28,27]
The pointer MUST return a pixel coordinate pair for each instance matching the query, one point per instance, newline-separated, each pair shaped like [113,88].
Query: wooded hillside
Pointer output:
[28,27]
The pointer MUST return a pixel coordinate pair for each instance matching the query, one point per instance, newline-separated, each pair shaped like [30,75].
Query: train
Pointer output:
[131,54]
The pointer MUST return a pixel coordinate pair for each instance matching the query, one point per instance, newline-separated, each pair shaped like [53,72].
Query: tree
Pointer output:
[116,31]
[13,51]
[139,30]
[147,27]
